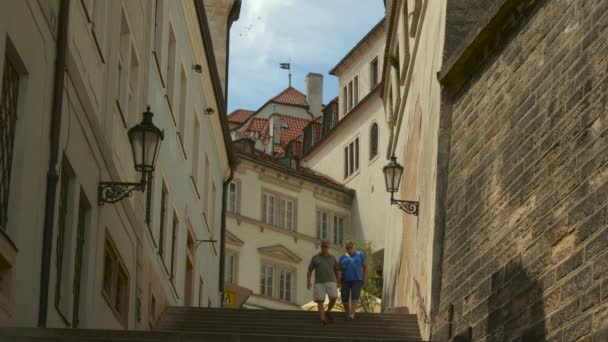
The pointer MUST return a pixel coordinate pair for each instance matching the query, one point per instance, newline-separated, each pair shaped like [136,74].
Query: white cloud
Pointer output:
[315,34]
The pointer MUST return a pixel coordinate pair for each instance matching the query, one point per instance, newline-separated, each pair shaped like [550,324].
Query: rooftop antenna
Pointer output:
[288,67]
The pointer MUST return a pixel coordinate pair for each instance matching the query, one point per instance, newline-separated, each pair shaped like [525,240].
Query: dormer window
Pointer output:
[284,125]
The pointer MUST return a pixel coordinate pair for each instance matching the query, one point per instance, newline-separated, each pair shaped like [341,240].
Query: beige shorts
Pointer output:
[321,289]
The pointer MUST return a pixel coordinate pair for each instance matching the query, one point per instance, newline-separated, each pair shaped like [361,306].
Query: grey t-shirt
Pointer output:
[325,268]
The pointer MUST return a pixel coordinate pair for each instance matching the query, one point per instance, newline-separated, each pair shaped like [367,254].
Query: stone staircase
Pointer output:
[178,324]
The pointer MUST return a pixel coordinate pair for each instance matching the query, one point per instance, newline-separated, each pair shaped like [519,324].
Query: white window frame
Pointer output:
[269,216]
[232,271]
[265,285]
[323,231]
[233,196]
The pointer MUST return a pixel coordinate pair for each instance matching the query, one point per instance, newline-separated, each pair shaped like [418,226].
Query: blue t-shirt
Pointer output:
[353,266]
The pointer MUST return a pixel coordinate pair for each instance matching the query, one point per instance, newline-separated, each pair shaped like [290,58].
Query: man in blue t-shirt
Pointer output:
[354,272]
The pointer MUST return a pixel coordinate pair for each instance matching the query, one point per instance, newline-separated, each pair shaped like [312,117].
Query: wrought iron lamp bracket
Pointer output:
[410,207]
[112,192]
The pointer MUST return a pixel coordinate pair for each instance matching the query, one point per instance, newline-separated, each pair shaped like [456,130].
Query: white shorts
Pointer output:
[321,289]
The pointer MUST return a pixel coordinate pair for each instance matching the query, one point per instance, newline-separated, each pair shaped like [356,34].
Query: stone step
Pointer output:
[288,323]
[85,335]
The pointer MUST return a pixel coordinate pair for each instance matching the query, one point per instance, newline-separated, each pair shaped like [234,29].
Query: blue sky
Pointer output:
[316,34]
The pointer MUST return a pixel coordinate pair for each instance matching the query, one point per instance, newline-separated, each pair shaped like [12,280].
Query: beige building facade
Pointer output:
[412,98]
[69,260]
[358,138]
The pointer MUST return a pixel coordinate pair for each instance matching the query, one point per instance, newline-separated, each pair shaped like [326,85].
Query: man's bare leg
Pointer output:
[346,309]
[321,310]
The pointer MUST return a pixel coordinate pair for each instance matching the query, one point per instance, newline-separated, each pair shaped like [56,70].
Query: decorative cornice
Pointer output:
[280,252]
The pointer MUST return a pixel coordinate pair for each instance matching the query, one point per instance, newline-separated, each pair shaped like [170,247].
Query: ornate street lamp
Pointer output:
[145,140]
[392,177]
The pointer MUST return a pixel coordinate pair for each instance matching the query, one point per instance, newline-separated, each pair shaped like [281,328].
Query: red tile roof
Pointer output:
[239,116]
[256,124]
[291,96]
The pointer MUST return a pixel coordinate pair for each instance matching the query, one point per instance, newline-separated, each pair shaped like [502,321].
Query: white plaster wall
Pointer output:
[247,226]
[371,201]
[358,64]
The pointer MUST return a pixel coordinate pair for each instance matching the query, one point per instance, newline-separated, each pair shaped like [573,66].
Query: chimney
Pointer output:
[314,93]
[274,132]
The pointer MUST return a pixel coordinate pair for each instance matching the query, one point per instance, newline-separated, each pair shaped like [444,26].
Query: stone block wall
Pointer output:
[526,239]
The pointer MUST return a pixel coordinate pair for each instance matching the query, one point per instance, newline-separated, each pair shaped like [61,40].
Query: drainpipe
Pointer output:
[223,235]
[52,175]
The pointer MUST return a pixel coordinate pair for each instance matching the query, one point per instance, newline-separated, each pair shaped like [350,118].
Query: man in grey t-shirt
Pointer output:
[327,280]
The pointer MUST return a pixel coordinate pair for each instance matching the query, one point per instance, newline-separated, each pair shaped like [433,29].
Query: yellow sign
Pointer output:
[229,298]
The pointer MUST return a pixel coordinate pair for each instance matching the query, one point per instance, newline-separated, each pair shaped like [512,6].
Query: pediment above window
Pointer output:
[280,252]
[232,239]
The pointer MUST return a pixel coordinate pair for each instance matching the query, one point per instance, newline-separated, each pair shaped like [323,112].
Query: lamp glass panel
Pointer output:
[151,143]
[397,174]
[388,178]
[137,144]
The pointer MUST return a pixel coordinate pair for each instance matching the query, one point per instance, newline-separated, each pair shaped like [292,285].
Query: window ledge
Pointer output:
[371,161]
[352,176]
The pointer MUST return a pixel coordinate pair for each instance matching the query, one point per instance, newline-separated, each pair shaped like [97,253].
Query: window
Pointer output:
[350,95]
[96,13]
[163,219]
[64,243]
[201,292]
[171,65]
[373,73]
[415,14]
[195,149]
[308,139]
[373,141]
[124,54]
[268,208]
[133,109]
[285,285]
[233,196]
[279,210]
[8,117]
[351,158]
[183,102]
[267,279]
[344,100]
[287,214]
[356,90]
[159,15]
[230,276]
[115,282]
[213,201]
[329,118]
[338,229]
[322,224]
[152,308]
[281,288]
[83,209]
[206,186]
[174,230]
